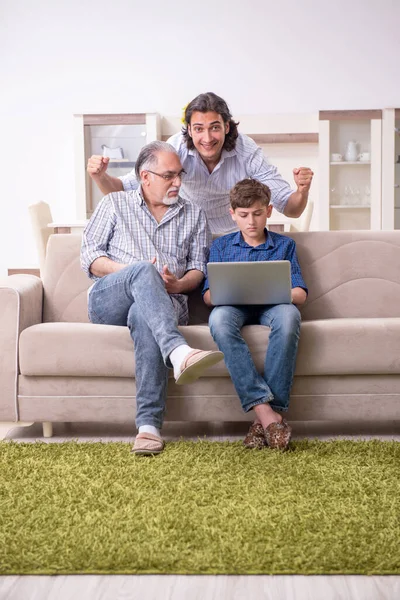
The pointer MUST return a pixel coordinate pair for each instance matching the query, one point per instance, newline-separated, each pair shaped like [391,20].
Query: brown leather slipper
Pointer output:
[147,443]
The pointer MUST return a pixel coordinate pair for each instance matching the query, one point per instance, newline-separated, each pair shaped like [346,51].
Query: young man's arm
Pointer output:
[298,200]
[97,169]
[284,199]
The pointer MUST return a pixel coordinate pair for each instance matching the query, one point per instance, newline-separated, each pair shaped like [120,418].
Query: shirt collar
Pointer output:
[224,154]
[239,241]
[139,196]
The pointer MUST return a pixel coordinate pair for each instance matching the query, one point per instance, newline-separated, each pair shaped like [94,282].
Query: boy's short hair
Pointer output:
[248,191]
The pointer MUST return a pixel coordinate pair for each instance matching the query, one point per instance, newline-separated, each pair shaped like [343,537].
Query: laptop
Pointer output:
[262,282]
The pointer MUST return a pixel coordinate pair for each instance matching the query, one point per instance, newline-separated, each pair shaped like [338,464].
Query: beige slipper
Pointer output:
[147,443]
[195,363]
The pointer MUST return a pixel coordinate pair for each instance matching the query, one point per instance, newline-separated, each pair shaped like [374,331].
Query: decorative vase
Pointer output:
[351,151]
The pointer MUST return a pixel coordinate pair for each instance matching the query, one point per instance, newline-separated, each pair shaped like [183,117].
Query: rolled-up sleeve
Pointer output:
[259,168]
[200,243]
[97,234]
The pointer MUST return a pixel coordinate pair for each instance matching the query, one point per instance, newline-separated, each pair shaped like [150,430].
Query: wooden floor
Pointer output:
[221,587]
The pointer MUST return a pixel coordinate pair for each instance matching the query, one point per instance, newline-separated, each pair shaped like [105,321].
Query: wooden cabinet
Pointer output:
[350,169]
[119,136]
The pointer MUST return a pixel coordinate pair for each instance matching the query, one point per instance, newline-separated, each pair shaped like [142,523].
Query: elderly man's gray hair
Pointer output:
[147,158]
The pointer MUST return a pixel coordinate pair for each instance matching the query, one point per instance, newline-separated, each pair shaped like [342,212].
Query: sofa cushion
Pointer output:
[327,347]
[85,349]
[349,274]
[349,347]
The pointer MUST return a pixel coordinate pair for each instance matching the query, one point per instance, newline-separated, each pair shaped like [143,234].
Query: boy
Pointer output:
[270,392]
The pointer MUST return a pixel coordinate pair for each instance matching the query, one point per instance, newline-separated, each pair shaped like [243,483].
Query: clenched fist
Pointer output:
[303,178]
[97,165]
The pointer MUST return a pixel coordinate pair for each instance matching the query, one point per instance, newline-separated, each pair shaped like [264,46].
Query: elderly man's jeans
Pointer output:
[280,360]
[136,297]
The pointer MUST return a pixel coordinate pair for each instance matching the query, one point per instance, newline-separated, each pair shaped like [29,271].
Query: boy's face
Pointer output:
[251,221]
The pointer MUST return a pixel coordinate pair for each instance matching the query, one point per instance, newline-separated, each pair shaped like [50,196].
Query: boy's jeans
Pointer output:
[280,361]
[136,297]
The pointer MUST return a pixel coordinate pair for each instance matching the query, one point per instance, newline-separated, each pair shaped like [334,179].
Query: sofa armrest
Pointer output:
[21,305]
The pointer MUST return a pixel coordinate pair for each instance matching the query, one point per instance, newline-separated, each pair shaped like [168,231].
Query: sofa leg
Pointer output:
[47,429]
[6,426]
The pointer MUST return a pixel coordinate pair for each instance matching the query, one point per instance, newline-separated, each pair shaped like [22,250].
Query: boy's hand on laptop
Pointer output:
[207,298]
[172,283]
[299,296]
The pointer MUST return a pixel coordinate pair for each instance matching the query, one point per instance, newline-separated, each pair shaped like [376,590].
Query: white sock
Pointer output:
[177,357]
[149,429]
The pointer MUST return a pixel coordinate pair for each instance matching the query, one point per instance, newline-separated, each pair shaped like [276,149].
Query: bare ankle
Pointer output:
[266,415]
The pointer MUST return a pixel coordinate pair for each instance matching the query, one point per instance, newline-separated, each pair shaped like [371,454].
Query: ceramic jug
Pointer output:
[351,151]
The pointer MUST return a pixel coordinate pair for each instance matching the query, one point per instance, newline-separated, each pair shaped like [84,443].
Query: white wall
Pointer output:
[262,56]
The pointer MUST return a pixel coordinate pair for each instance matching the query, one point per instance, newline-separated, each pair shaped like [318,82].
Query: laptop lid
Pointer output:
[262,282]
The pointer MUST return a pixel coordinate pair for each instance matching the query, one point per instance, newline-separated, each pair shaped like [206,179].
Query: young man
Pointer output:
[267,394]
[215,156]
[145,250]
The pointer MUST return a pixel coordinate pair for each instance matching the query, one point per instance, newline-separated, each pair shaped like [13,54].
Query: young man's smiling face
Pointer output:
[252,221]
[208,132]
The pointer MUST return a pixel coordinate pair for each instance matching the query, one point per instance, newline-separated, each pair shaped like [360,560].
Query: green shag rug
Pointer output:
[200,508]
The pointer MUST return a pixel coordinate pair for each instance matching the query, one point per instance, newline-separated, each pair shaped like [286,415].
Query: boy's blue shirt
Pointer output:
[233,248]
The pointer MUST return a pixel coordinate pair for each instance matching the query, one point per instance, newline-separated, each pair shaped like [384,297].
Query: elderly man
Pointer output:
[215,157]
[146,249]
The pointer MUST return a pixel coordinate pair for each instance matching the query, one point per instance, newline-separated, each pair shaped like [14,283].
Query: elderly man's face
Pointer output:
[208,132]
[163,181]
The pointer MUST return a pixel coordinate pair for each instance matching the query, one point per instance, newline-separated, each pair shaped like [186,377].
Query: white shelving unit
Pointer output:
[350,191]
[127,131]
[359,163]
[391,168]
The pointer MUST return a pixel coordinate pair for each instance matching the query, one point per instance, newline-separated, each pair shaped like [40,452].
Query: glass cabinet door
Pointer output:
[121,144]
[120,137]
[350,153]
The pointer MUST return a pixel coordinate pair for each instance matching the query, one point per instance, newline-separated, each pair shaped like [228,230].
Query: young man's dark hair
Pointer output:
[210,102]
[248,191]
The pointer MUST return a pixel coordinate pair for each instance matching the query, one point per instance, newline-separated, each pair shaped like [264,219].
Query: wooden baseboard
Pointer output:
[24,272]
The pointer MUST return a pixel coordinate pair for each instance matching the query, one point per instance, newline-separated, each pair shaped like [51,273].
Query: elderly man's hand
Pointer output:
[97,165]
[172,283]
[303,178]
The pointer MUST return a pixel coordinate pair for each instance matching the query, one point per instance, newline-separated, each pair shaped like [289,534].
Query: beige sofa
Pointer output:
[56,366]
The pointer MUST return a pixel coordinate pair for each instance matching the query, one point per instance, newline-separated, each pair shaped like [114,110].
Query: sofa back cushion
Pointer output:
[65,284]
[348,273]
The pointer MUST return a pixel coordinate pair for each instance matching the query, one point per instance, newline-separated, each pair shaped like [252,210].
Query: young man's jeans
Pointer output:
[280,361]
[136,297]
